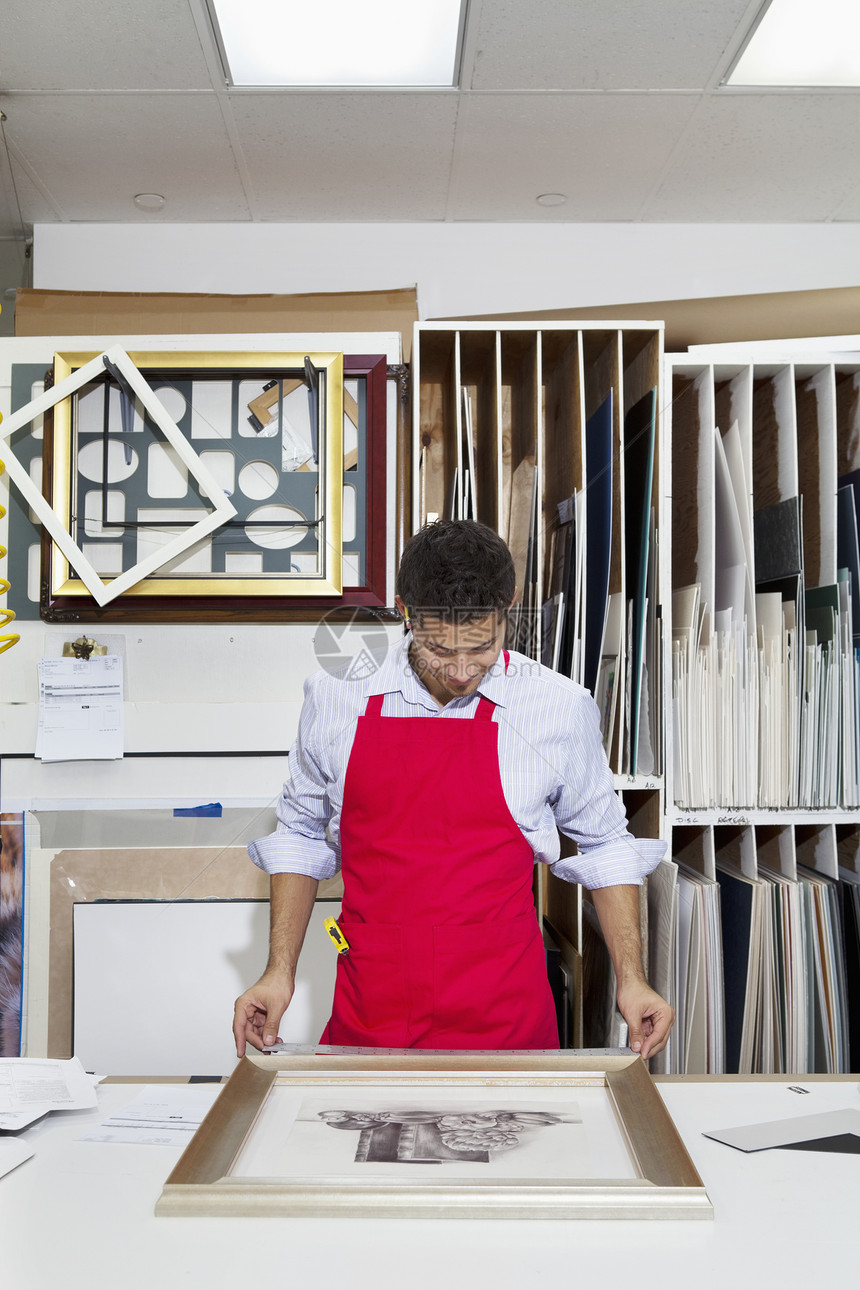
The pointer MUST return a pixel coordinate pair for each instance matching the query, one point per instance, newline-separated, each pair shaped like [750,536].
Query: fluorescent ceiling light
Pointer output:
[800,43]
[373,43]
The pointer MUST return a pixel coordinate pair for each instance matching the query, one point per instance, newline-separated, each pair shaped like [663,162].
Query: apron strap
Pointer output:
[486,707]
[484,711]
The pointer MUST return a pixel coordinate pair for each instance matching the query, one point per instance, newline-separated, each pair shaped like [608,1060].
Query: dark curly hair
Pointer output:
[456,568]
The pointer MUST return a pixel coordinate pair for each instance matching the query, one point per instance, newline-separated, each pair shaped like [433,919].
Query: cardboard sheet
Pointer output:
[771,315]
[117,313]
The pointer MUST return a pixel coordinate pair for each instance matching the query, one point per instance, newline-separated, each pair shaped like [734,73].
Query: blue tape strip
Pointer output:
[213,809]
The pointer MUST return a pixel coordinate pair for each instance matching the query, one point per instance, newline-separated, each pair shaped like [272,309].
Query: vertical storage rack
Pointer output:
[761,695]
[751,683]
[504,432]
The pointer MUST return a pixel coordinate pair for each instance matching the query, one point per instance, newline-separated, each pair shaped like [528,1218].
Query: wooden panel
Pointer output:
[437,422]
[562,907]
[774,438]
[564,419]
[816,461]
[693,483]
[848,420]
[479,378]
[519,410]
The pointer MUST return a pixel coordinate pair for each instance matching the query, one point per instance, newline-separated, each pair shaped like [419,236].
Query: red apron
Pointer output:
[445,949]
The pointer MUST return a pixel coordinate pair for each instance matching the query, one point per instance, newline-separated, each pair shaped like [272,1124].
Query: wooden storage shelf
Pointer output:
[529,391]
[532,390]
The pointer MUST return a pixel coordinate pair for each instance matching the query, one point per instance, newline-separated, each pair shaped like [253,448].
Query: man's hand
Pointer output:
[258,1012]
[649,1018]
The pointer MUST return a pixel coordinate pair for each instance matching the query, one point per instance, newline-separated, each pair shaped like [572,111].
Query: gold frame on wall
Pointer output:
[61,580]
[665,1185]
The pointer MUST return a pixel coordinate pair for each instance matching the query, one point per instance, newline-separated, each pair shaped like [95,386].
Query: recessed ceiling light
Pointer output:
[371,43]
[795,43]
[149,201]
[551,199]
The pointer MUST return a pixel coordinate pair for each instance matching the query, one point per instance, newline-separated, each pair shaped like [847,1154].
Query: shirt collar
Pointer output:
[495,684]
[395,673]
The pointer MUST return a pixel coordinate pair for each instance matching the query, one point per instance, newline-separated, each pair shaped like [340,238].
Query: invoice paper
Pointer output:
[80,709]
[30,1087]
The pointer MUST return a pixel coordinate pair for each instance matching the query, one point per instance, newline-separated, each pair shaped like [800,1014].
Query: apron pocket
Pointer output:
[370,995]
[490,984]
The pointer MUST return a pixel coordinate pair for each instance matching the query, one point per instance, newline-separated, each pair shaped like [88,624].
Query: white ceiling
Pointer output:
[615,103]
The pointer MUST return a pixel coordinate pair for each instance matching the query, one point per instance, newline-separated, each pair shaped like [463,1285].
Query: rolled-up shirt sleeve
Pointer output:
[300,843]
[588,810]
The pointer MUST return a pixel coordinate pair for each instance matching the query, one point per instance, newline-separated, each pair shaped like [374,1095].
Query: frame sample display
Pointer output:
[459,1135]
[62,533]
[268,426]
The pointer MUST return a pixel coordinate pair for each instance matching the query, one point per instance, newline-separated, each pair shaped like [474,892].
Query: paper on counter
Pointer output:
[80,709]
[30,1087]
[160,1116]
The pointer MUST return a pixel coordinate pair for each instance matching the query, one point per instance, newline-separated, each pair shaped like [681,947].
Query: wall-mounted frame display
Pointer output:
[212,507]
[375,511]
[267,425]
[472,1135]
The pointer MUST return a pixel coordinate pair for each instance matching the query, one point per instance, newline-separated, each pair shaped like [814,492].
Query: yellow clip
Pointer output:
[6,615]
[341,944]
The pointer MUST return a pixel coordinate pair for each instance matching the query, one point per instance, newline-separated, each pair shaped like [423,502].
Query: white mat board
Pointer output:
[155,983]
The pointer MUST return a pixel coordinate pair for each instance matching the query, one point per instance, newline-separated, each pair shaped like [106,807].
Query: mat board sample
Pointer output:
[799,1131]
[155,982]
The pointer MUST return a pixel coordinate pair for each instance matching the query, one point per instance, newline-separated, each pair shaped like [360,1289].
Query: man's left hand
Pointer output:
[649,1018]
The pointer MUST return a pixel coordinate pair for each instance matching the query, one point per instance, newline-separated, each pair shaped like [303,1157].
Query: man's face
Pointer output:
[451,658]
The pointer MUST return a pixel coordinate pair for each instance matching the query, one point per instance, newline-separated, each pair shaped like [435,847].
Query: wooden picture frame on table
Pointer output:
[251,599]
[459,1135]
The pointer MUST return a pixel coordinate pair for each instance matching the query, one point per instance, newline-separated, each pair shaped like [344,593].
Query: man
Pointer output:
[435,784]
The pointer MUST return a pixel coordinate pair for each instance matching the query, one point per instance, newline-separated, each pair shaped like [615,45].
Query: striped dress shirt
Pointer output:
[553,769]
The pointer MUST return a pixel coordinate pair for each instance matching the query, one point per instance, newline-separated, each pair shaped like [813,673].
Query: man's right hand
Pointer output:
[258,1012]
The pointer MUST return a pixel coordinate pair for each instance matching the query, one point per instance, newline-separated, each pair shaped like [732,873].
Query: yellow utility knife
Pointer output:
[340,942]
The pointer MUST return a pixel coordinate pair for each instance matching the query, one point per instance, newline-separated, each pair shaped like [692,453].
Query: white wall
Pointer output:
[458,268]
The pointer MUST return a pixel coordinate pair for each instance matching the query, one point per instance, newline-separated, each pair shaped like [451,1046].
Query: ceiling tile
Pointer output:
[612,44]
[112,44]
[604,152]
[347,157]
[609,103]
[92,153]
[763,157]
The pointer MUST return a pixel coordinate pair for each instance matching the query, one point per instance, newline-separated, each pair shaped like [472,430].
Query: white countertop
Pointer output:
[80,1214]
